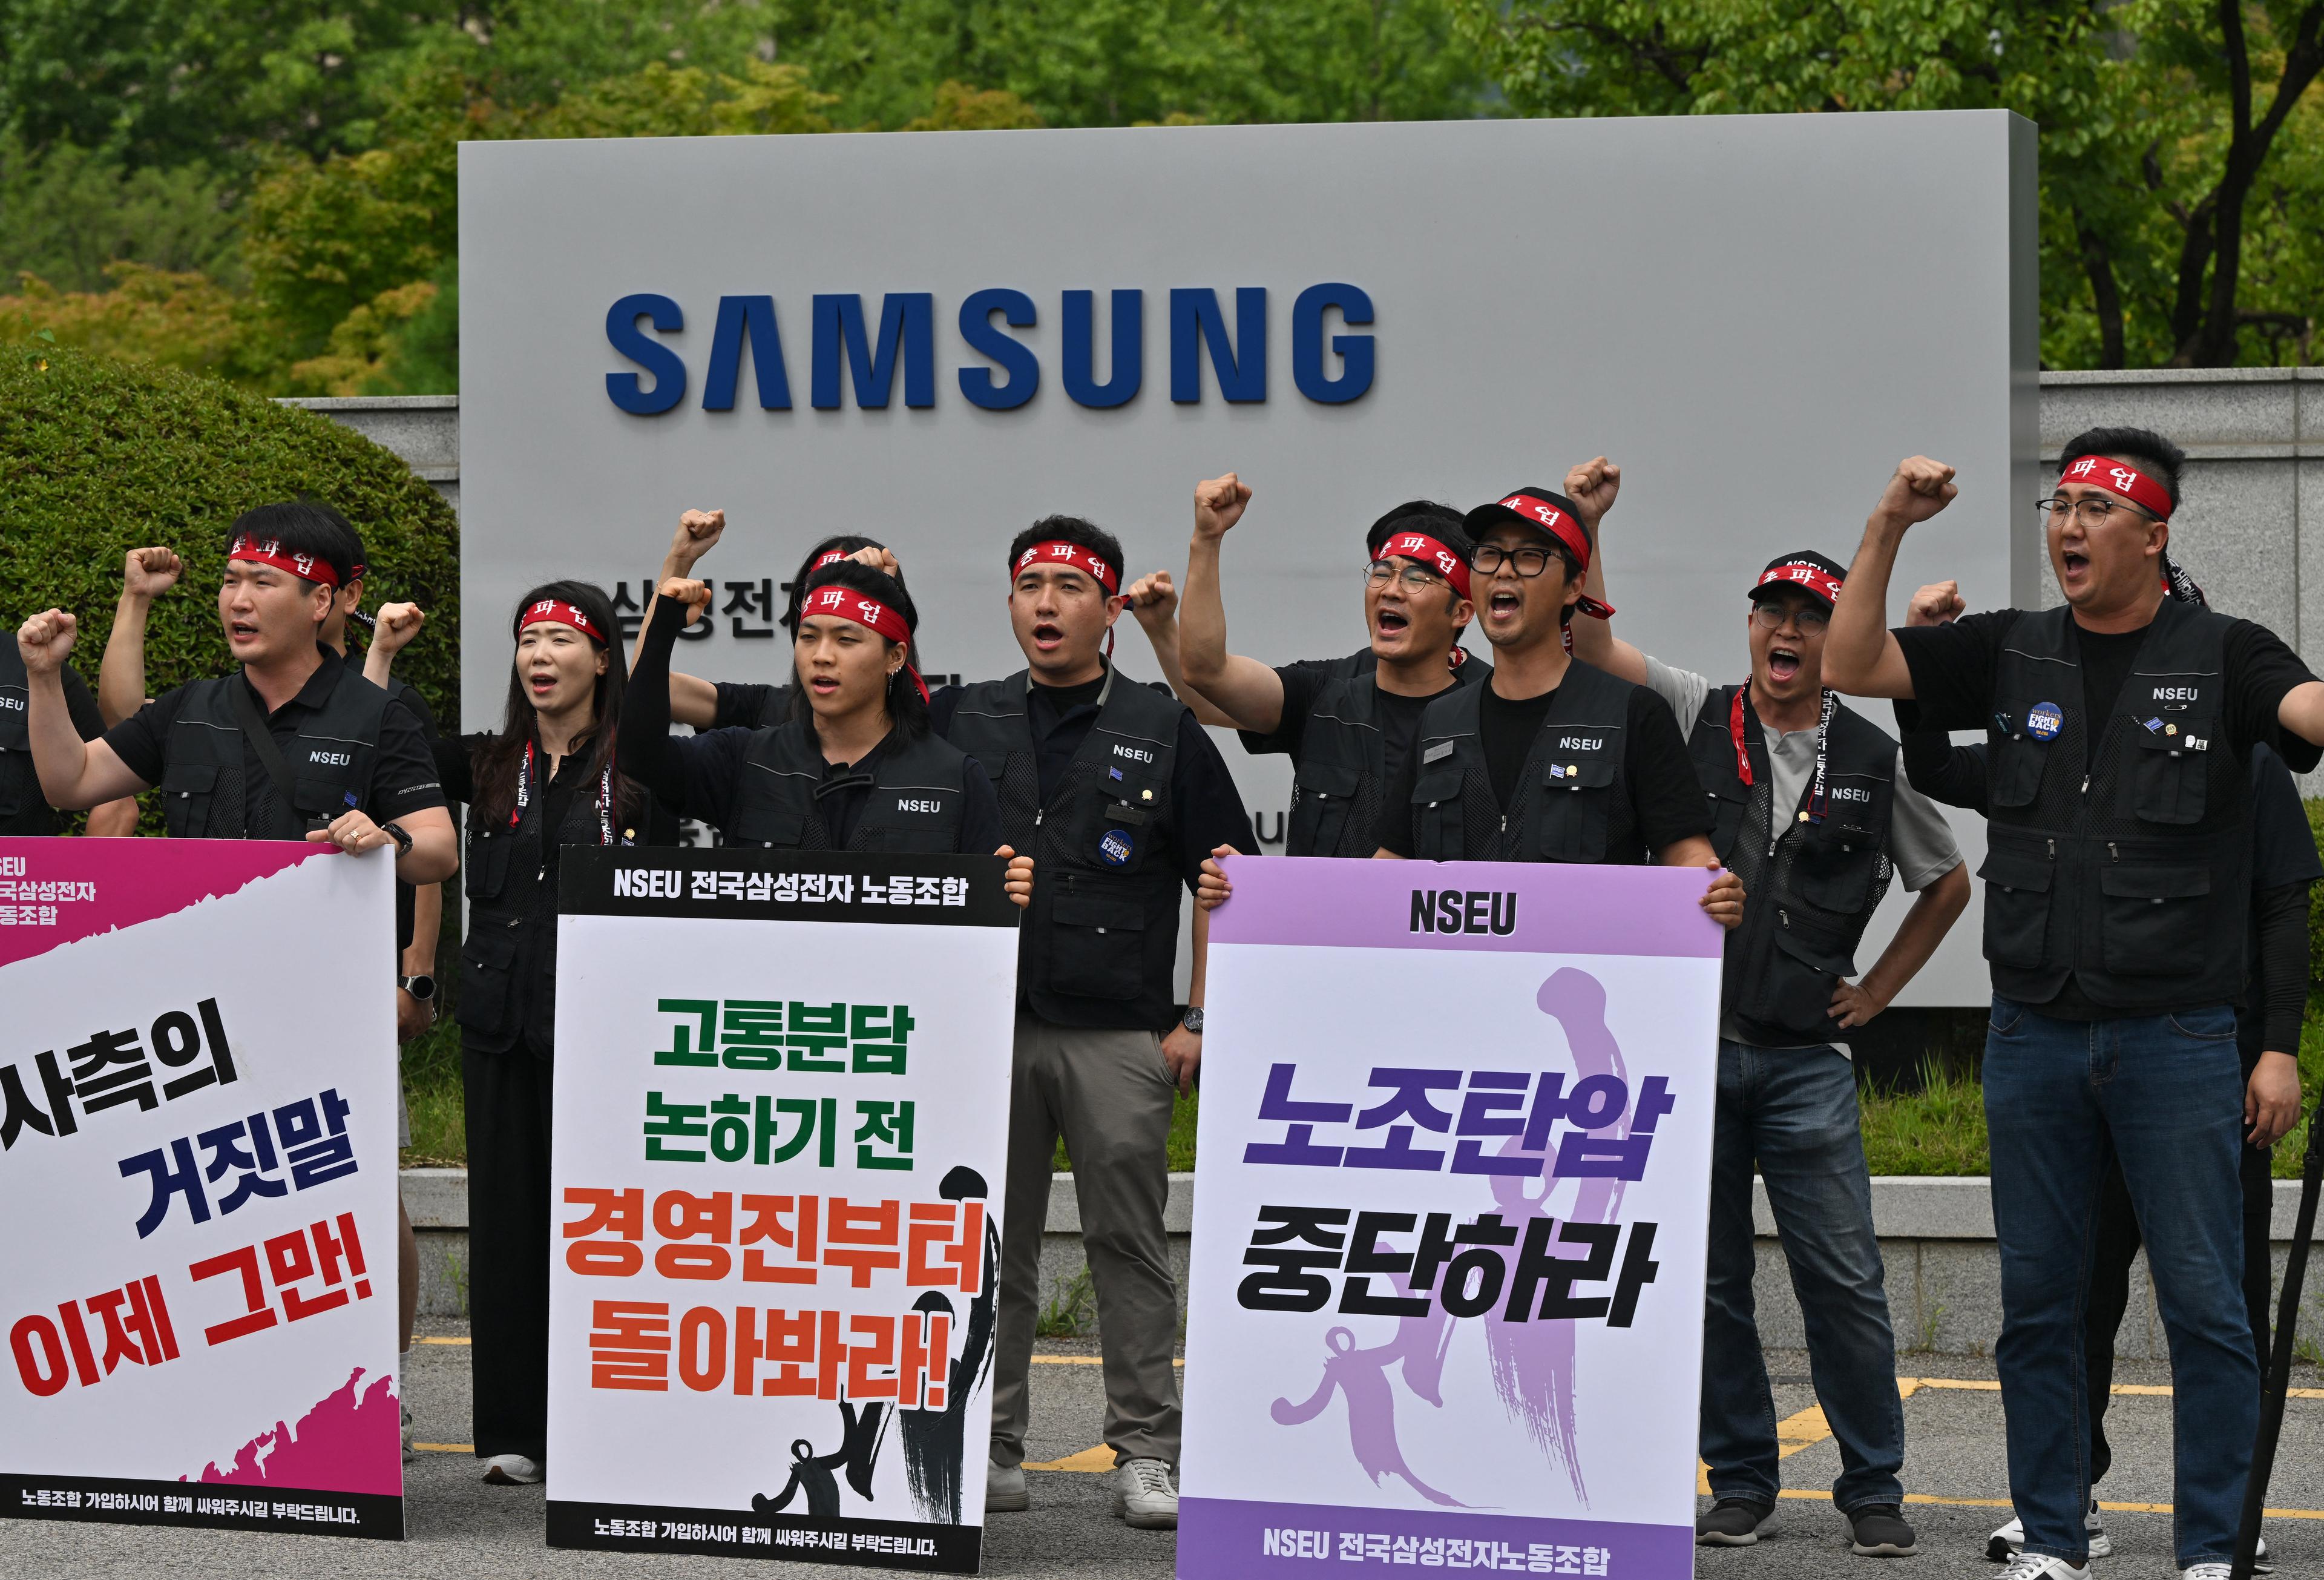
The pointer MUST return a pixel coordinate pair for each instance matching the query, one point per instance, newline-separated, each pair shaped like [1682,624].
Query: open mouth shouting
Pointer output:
[1782,664]
[1391,622]
[1048,635]
[824,685]
[541,682]
[1503,606]
[2074,565]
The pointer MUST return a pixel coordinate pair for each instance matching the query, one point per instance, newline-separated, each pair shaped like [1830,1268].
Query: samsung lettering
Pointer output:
[852,357]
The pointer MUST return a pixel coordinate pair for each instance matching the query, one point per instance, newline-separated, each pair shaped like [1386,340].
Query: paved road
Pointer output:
[461,1528]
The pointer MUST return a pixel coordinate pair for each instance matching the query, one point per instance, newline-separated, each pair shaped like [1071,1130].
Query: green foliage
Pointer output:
[67,213]
[98,457]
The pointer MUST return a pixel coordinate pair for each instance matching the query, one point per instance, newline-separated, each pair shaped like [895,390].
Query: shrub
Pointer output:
[99,457]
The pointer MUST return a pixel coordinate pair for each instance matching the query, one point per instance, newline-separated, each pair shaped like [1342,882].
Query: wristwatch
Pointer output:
[402,841]
[421,988]
[1193,1019]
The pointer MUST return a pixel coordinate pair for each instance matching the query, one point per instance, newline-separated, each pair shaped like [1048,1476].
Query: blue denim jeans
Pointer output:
[1793,1111]
[2168,1090]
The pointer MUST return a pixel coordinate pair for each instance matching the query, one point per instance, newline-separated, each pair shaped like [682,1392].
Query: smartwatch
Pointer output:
[421,988]
[1193,1019]
[402,841]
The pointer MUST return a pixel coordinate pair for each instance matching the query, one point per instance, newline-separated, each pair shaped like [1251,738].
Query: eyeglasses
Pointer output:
[1528,561]
[1774,616]
[1378,573]
[2090,510]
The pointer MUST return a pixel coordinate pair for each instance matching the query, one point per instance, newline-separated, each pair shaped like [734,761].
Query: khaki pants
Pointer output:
[1109,1094]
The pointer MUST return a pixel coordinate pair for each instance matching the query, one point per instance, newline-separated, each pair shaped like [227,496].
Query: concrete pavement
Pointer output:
[461,1529]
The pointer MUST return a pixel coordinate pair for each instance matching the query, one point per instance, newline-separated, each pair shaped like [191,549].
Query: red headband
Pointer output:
[2116,478]
[1815,578]
[557,612]
[1430,555]
[1562,526]
[828,557]
[848,603]
[1074,555]
[270,551]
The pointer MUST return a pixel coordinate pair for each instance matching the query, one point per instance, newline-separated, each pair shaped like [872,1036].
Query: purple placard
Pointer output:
[1537,908]
[1231,1536]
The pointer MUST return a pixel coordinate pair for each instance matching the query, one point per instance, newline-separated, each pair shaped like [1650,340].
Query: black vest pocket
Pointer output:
[1436,826]
[1834,867]
[1097,944]
[20,783]
[320,802]
[2017,907]
[1570,809]
[487,979]
[489,852]
[188,789]
[1797,993]
[2153,920]
[2017,773]
[2168,773]
[762,819]
[1726,822]
[1322,800]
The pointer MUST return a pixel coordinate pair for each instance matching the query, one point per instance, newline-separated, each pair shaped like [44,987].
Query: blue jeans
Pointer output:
[2168,1090]
[1793,1110]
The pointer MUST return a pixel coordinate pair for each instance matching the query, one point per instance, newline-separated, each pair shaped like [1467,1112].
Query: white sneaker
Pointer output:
[2034,1566]
[2002,1544]
[2210,1570]
[1143,1495]
[1004,1489]
[515,1470]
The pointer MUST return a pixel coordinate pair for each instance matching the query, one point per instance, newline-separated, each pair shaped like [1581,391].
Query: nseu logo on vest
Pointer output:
[997,370]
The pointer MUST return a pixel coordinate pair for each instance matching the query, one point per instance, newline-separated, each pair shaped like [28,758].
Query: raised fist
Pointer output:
[1938,603]
[1592,485]
[878,559]
[44,640]
[1920,489]
[698,534]
[1153,600]
[148,573]
[398,625]
[695,595]
[1219,505]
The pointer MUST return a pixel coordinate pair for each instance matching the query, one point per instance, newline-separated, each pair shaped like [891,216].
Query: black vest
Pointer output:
[2136,878]
[1810,889]
[1101,942]
[918,793]
[23,809]
[203,792]
[1573,800]
[508,961]
[1341,776]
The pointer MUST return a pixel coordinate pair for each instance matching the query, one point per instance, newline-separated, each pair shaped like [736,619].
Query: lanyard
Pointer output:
[604,798]
[1816,796]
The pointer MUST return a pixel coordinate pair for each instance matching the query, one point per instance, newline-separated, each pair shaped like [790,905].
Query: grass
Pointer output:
[1939,1129]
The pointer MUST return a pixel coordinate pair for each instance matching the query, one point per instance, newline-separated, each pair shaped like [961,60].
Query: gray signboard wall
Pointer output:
[1757,316]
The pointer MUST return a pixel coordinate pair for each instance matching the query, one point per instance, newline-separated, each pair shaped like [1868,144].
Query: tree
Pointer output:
[2153,144]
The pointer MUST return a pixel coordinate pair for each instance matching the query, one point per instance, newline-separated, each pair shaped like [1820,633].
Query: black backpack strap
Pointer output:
[262,741]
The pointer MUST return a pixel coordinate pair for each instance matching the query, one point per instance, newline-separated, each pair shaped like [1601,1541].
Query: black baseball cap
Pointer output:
[1805,571]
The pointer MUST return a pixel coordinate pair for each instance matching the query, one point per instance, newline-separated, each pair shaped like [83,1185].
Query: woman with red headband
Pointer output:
[854,768]
[548,778]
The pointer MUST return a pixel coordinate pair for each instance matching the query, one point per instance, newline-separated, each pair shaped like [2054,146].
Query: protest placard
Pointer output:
[781,1128]
[198,1152]
[1446,1303]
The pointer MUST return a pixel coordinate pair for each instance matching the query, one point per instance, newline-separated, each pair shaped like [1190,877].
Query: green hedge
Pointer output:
[98,457]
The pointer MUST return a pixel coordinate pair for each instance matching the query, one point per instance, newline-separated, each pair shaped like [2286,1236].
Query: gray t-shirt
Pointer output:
[1920,844]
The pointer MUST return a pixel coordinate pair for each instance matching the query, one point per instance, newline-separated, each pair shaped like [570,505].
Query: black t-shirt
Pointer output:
[403,777]
[33,814]
[1953,668]
[1206,809]
[1664,794]
[750,705]
[1304,682]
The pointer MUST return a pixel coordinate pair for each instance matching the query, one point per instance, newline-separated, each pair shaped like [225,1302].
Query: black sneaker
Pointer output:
[1881,1532]
[1732,1522]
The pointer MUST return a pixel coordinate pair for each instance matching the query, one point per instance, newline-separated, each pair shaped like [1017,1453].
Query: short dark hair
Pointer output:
[904,704]
[2156,456]
[1440,521]
[1071,530]
[302,526]
[837,543]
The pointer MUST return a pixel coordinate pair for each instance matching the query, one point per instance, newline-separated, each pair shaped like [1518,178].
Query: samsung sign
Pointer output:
[936,338]
[1008,372]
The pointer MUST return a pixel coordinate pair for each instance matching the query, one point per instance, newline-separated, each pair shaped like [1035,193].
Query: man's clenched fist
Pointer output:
[44,640]
[1219,505]
[1920,489]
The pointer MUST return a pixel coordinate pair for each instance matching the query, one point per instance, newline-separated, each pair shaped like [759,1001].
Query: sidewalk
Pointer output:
[460,1528]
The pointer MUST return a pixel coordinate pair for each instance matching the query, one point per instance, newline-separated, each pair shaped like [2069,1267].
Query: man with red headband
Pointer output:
[2120,730]
[1814,817]
[1552,760]
[1118,795]
[295,746]
[1350,723]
